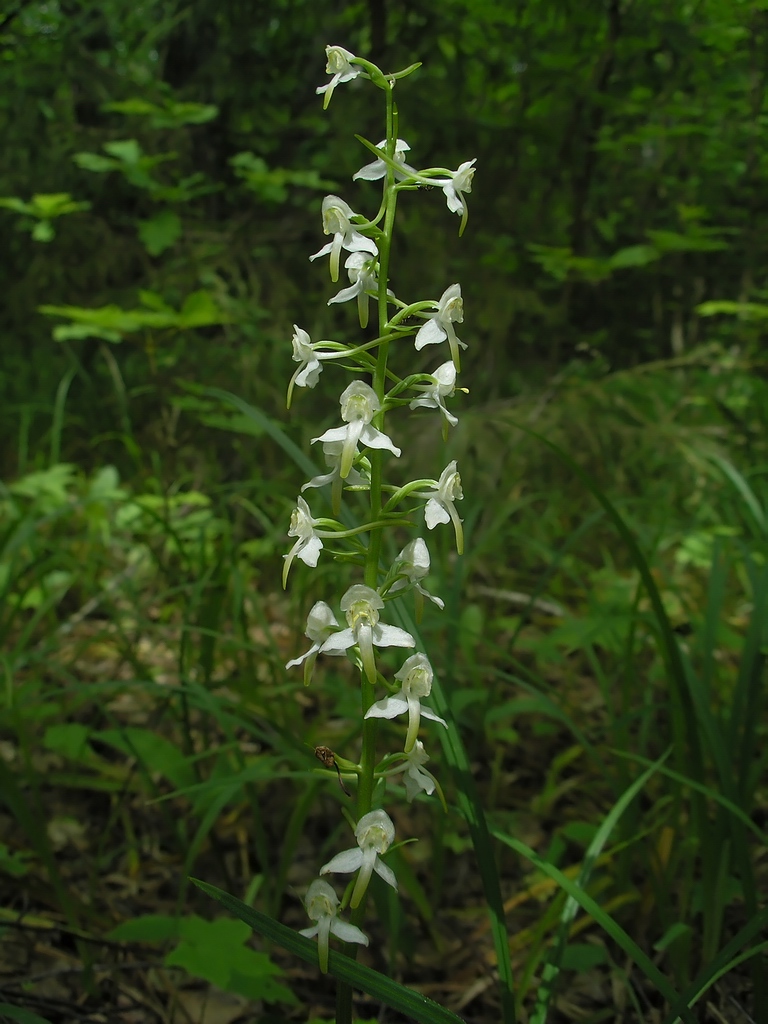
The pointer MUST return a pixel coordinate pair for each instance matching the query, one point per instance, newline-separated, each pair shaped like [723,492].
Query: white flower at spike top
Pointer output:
[443,386]
[362,274]
[337,222]
[450,310]
[321,623]
[416,682]
[459,182]
[414,562]
[322,905]
[378,168]
[339,66]
[440,507]
[308,544]
[362,605]
[359,404]
[375,834]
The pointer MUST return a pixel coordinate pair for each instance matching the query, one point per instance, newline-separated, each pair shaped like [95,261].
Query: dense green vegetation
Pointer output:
[603,644]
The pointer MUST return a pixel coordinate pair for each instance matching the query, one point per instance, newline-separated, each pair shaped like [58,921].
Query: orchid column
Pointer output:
[357,453]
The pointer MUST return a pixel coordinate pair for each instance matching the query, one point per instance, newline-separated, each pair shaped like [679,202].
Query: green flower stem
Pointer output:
[368,693]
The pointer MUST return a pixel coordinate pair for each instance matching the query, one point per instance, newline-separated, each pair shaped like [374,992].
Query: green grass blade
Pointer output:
[378,986]
[606,922]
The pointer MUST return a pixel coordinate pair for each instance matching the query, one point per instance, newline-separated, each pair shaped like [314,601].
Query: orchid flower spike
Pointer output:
[378,168]
[322,905]
[413,563]
[416,682]
[359,404]
[362,605]
[337,222]
[450,310]
[459,182]
[340,67]
[375,834]
[441,507]
[321,623]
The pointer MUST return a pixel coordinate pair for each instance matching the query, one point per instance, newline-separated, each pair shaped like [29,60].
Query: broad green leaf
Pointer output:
[19,1015]
[156,753]
[70,739]
[146,928]
[160,232]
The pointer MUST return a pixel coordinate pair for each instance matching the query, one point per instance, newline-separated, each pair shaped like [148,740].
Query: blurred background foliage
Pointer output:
[161,175]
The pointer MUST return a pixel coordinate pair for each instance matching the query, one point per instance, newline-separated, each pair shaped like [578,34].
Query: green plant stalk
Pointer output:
[373,554]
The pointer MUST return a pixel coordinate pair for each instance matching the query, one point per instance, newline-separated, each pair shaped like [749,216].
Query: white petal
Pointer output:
[392,636]
[346,293]
[435,513]
[347,932]
[430,334]
[310,933]
[322,252]
[385,872]
[389,707]
[346,861]
[310,553]
[426,713]
[339,642]
[374,438]
[334,434]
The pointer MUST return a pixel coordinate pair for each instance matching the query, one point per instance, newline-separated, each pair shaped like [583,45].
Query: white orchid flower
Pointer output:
[359,404]
[416,682]
[362,274]
[460,181]
[322,905]
[375,834]
[443,386]
[414,562]
[321,623]
[308,543]
[337,222]
[415,778]
[378,168]
[339,66]
[362,605]
[307,355]
[450,310]
[440,507]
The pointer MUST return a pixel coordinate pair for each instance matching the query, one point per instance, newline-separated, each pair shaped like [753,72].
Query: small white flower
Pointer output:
[375,834]
[321,623]
[413,561]
[359,404]
[416,682]
[362,605]
[415,778]
[378,168]
[450,310]
[362,274]
[443,386]
[337,222]
[308,544]
[305,353]
[322,905]
[459,182]
[339,66]
[440,507]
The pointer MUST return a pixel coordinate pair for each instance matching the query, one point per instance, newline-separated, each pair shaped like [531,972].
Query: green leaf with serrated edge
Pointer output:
[398,997]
